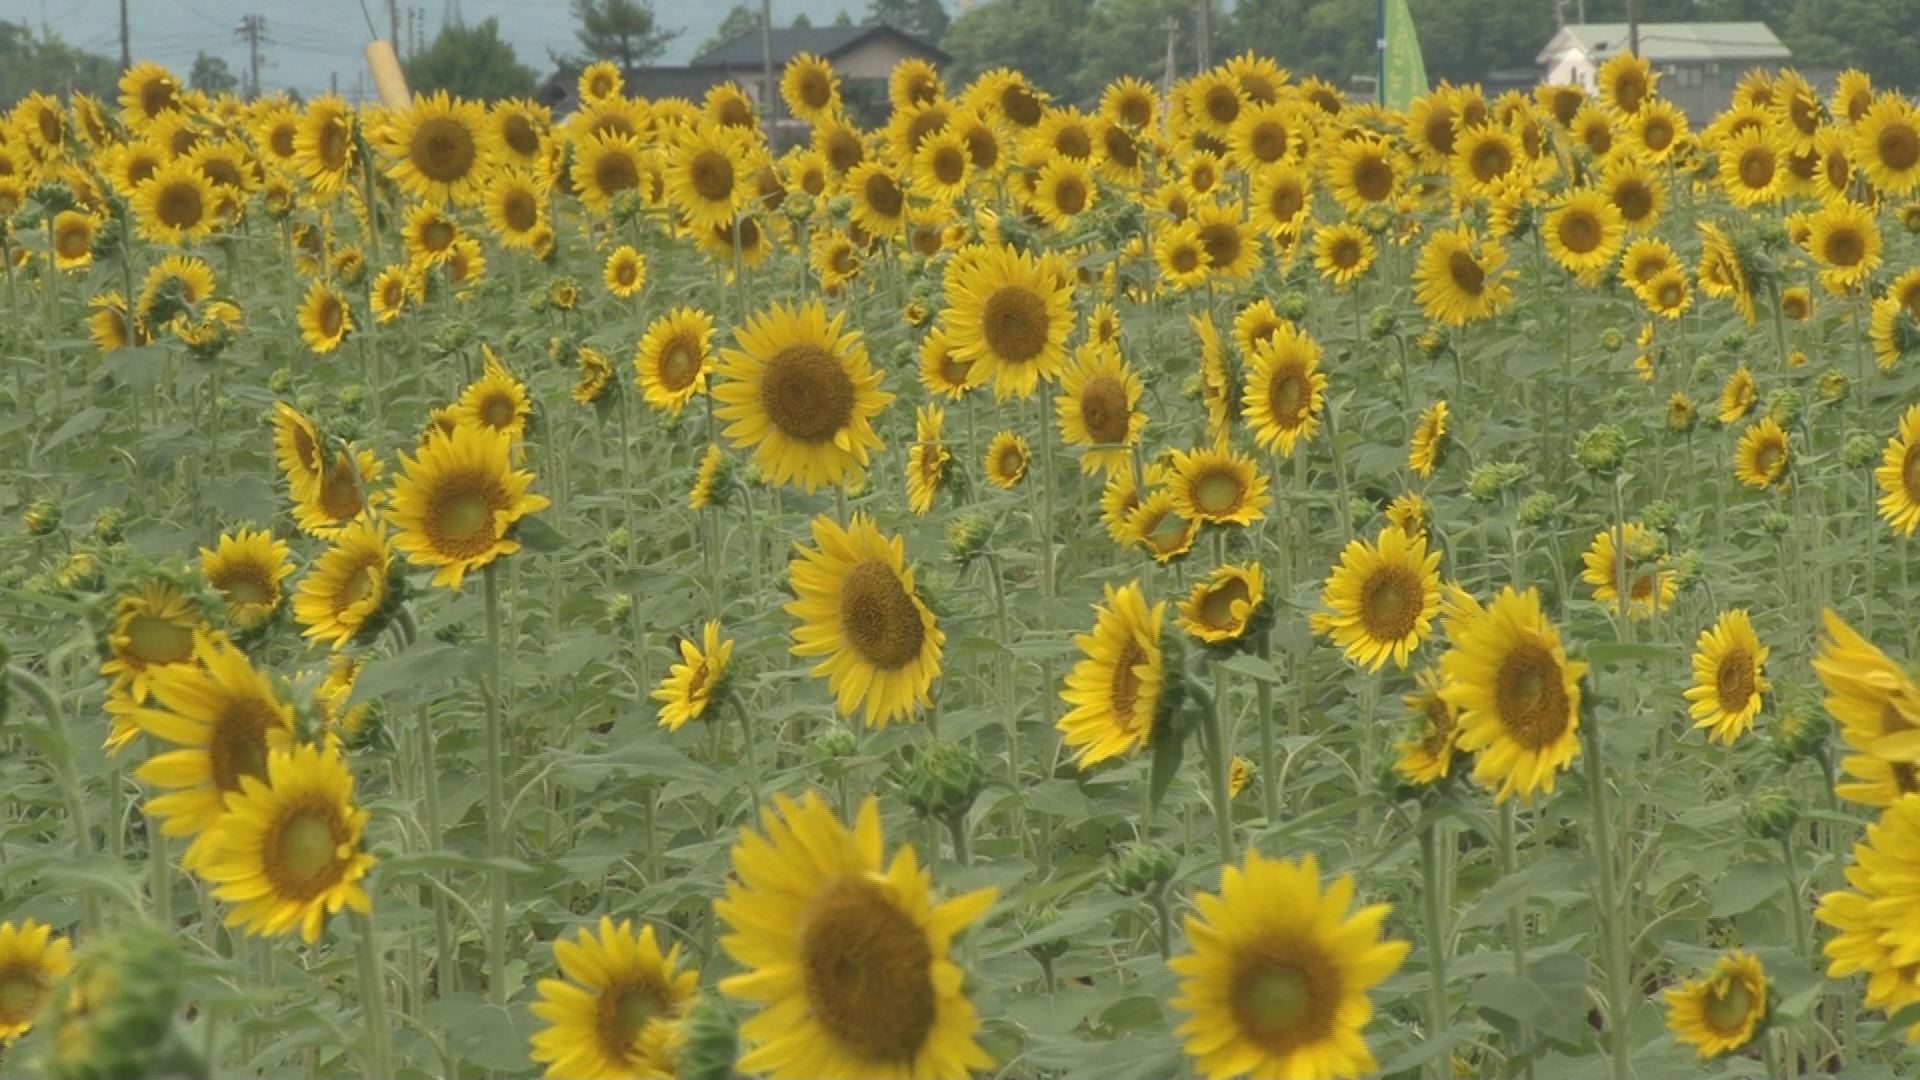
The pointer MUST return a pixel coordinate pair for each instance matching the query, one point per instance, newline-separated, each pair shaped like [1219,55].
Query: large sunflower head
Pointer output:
[845,951]
[496,400]
[604,165]
[436,148]
[33,960]
[1383,598]
[1280,988]
[455,504]
[1626,81]
[708,175]
[810,88]
[800,392]
[349,587]
[614,1007]
[1886,144]
[176,204]
[1722,1011]
[1898,475]
[1285,390]
[859,611]
[1114,690]
[1009,313]
[147,92]
[324,144]
[1517,694]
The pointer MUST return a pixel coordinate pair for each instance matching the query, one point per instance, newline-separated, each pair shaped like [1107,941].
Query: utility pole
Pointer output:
[252,27]
[409,32]
[1633,27]
[1172,26]
[126,41]
[770,91]
[393,23]
[1203,32]
[333,83]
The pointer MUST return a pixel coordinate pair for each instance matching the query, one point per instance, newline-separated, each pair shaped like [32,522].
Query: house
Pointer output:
[1698,63]
[863,57]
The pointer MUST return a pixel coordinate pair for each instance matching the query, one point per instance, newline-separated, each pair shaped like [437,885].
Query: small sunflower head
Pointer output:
[712,1046]
[1142,868]
[1601,449]
[967,536]
[1783,406]
[1681,415]
[1488,482]
[113,1018]
[109,525]
[1432,342]
[1771,812]
[42,518]
[1833,386]
[1382,321]
[81,573]
[1536,510]
[1799,731]
[1861,450]
[942,780]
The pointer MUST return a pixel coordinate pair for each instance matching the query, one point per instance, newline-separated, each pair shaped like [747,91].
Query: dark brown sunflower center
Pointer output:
[1466,272]
[883,195]
[517,132]
[520,210]
[1733,680]
[1074,142]
[248,583]
[1628,91]
[1010,462]
[1579,232]
[1634,199]
[1268,141]
[880,617]
[302,852]
[1069,196]
[948,164]
[442,149]
[1120,146]
[1285,202]
[329,316]
[1103,410]
[1217,604]
[1287,395]
[1284,996]
[1020,105]
[237,746]
[1671,292]
[843,150]
[1014,321]
[1898,147]
[623,1011]
[1390,603]
[867,970]
[814,89]
[1768,458]
[710,174]
[1756,167]
[807,394]
[1123,689]
[158,641]
[615,171]
[954,370]
[1184,258]
[1491,158]
[331,145]
[1844,247]
[1222,104]
[679,365]
[1222,241]
[72,241]
[340,492]
[1530,696]
[927,122]
[1437,724]
[1726,1005]
[179,206]
[1345,253]
[22,988]
[1910,472]
[158,96]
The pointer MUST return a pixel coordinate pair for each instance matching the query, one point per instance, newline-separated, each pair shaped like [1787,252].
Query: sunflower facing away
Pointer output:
[858,609]
[1383,597]
[1428,756]
[1114,689]
[1728,677]
[612,1011]
[1223,607]
[1720,1012]
[1009,315]
[1517,694]
[688,689]
[1276,983]
[286,854]
[672,359]
[246,568]
[32,962]
[845,952]
[455,504]
[1899,475]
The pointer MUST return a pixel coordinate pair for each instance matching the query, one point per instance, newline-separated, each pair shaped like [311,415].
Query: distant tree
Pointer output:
[470,62]
[740,20]
[842,18]
[625,31]
[1876,36]
[49,65]
[1021,34]
[801,22]
[925,19]
[1332,39]
[1129,37]
[211,75]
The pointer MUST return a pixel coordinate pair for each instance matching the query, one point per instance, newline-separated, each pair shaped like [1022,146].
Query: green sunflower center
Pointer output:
[807,394]
[1530,696]
[21,990]
[1217,604]
[1218,492]
[1285,998]
[247,584]
[1727,1005]
[623,1012]
[1015,324]
[880,618]
[463,515]
[159,641]
[868,973]
[1733,680]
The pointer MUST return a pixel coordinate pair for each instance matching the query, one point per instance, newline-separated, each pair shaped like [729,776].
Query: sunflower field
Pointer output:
[1224,580]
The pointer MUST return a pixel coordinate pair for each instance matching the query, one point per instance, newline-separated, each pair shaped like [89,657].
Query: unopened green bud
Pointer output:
[617,538]
[113,1017]
[1686,568]
[1360,511]
[967,536]
[1861,450]
[1382,321]
[1681,415]
[1030,922]
[1704,366]
[1833,386]
[1536,509]
[1142,868]
[1611,339]
[1771,813]
[1601,449]
[1660,515]
[280,381]
[619,606]
[1733,343]
[352,397]
[81,573]
[1775,523]
[42,518]
[1647,546]
[109,525]
[1292,306]
[1783,406]
[1799,731]
[943,779]
[833,749]
[712,1047]
[1488,482]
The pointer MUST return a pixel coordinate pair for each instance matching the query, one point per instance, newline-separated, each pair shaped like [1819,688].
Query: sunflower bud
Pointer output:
[1681,415]
[1660,515]
[712,1046]
[1861,450]
[1432,342]
[1799,732]
[1647,546]
[109,525]
[1142,868]
[832,748]
[1382,321]
[1796,360]
[1611,339]
[1704,367]
[1030,922]
[113,1017]
[1783,406]
[42,518]
[451,337]
[1536,510]
[1600,449]
[967,536]
[1775,523]
[1488,482]
[1733,343]
[619,606]
[81,573]
[1292,306]
[1360,511]
[1686,568]
[942,780]
[352,398]
[1833,386]
[1771,813]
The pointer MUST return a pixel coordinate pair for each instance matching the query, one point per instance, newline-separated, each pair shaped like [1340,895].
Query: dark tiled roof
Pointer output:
[826,42]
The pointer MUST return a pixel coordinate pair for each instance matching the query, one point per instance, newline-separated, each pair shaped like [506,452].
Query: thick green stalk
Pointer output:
[1435,895]
[1516,916]
[373,994]
[1614,962]
[1220,763]
[1801,937]
[1269,758]
[496,797]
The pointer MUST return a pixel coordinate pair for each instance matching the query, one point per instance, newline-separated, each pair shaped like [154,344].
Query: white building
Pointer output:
[1698,63]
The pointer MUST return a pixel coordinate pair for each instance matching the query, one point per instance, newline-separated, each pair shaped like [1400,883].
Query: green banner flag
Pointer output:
[1403,74]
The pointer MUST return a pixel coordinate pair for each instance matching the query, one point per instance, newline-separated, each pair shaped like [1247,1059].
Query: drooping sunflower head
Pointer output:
[1722,1011]
[1516,692]
[1427,757]
[858,610]
[1228,606]
[1429,441]
[1114,690]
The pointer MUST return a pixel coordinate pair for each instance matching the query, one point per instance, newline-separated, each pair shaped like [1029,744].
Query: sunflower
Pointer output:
[1626,81]
[1583,233]
[298,450]
[1870,916]
[1844,239]
[516,131]
[512,205]
[175,205]
[927,459]
[1894,327]
[1484,157]
[147,91]
[1634,190]
[1006,459]
[706,178]
[845,952]
[1750,167]
[858,609]
[1461,278]
[455,503]
[1114,689]
[1364,172]
[689,686]
[1728,678]
[246,569]
[616,1010]
[1217,486]
[391,289]
[32,963]
[879,200]
[1009,313]
[324,318]
[224,718]
[1428,443]
[1650,590]
[1763,457]
[1098,408]
[605,165]
[324,144]
[713,469]
[110,325]
[800,392]
[942,371]
[1223,607]
[1065,189]
[1721,1013]
[496,400]
[1280,988]
[942,166]
[593,376]
[436,149]
[810,88]
[286,853]
[1156,524]
[152,632]
[1232,252]
[347,586]
[1383,598]
[1899,475]
[1279,197]
[1342,252]
[672,358]
[72,242]
[1516,693]
[1266,134]
[600,81]
[1886,145]
[1738,395]
[1285,390]
[1428,757]
[1180,256]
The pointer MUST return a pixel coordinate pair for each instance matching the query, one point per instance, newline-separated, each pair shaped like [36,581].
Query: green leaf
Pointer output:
[1744,887]
[1169,749]
[1253,667]
[1551,998]
[84,422]
[535,534]
[1606,654]
[1556,869]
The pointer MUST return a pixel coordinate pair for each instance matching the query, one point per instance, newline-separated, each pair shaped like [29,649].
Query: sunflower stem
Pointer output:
[1341,512]
[496,798]
[1163,920]
[1801,939]
[1516,916]
[42,695]
[1615,958]
[1219,762]
[1269,757]
[373,1000]
[1436,910]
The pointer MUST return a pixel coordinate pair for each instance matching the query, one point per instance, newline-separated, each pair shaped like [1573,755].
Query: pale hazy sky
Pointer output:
[311,39]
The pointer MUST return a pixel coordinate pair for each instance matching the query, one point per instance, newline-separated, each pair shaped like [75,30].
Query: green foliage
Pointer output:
[1025,35]
[211,75]
[740,19]
[49,65]
[625,31]
[471,62]
[926,19]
